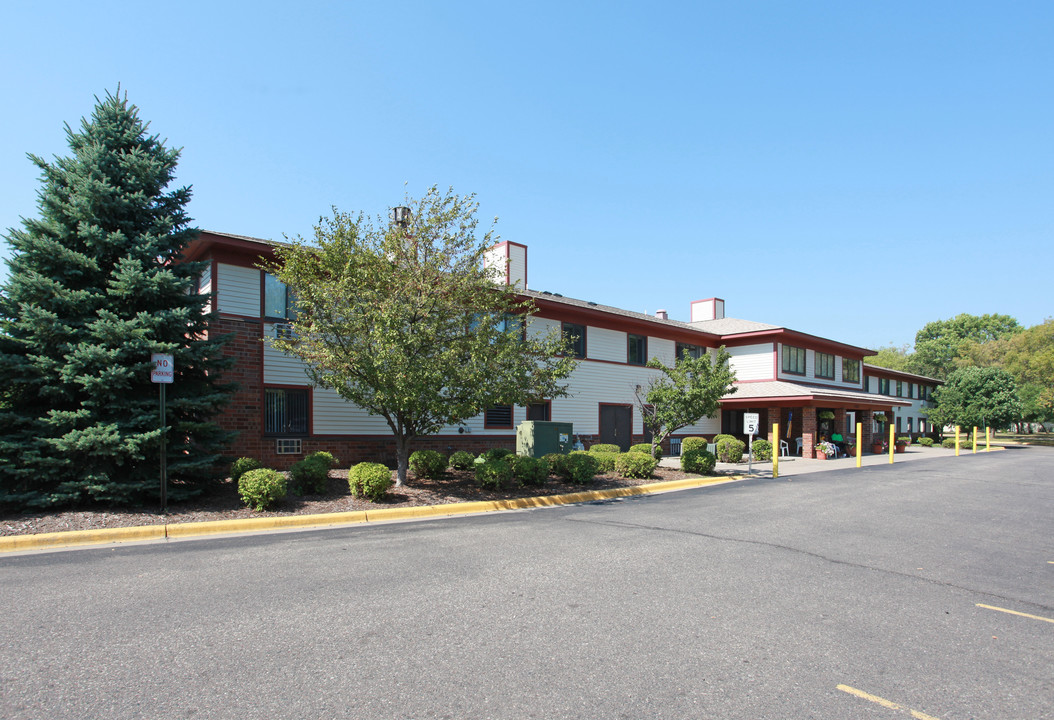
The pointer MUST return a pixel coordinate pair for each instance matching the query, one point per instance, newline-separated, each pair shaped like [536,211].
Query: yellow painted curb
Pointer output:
[13,543]
[102,536]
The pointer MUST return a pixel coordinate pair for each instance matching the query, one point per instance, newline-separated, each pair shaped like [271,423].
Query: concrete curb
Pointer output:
[74,538]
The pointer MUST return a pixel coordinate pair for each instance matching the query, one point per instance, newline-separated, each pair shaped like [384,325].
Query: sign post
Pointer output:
[163,373]
[750,428]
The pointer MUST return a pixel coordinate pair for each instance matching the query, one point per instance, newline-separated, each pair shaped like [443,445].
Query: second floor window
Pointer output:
[825,365]
[850,370]
[692,351]
[900,388]
[279,301]
[576,336]
[793,360]
[883,386]
[636,349]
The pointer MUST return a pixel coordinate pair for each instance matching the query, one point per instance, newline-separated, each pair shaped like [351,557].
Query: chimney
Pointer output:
[661,314]
[511,261]
[709,309]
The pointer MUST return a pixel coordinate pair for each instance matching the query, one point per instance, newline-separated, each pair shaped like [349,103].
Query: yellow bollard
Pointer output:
[974,439]
[956,441]
[859,443]
[775,450]
[988,439]
[891,443]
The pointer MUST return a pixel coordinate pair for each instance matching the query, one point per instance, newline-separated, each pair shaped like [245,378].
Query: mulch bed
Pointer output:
[221,502]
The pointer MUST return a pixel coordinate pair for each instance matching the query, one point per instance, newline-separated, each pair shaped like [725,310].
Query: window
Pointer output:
[576,336]
[793,360]
[883,386]
[636,349]
[900,388]
[539,411]
[285,411]
[909,424]
[850,370]
[499,416]
[692,351]
[511,324]
[279,302]
[825,365]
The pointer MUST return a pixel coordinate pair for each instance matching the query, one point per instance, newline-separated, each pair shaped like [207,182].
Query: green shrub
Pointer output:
[604,448]
[762,450]
[966,445]
[556,461]
[261,488]
[698,461]
[243,465]
[493,473]
[635,464]
[428,463]
[312,473]
[495,454]
[369,480]
[581,467]
[729,449]
[948,442]
[693,443]
[719,438]
[530,471]
[926,442]
[605,460]
[461,460]
[903,440]
[646,449]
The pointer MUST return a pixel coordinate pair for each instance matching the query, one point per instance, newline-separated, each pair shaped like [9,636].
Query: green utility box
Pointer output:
[536,438]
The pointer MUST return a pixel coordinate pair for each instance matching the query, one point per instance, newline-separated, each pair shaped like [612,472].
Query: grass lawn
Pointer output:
[1029,439]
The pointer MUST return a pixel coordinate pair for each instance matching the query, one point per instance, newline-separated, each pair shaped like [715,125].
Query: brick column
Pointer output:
[808,432]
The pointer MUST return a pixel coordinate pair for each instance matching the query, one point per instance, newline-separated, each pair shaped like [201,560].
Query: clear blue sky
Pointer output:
[852,170]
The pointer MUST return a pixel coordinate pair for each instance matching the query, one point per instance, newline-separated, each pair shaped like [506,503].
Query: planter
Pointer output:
[820,455]
[877,448]
[900,448]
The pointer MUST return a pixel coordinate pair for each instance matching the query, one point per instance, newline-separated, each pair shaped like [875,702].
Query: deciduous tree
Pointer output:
[938,343]
[685,393]
[405,321]
[976,397]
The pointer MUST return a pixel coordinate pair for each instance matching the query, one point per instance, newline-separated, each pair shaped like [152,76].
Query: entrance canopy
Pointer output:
[780,393]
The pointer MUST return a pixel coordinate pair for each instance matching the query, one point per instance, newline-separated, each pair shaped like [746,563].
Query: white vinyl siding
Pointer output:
[602,344]
[751,362]
[238,290]
[279,368]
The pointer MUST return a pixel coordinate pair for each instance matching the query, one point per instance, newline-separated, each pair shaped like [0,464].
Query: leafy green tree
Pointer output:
[95,286]
[685,393]
[405,321]
[938,343]
[976,397]
[892,357]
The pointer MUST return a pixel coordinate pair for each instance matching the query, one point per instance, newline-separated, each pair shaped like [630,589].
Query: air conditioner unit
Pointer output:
[289,446]
[283,330]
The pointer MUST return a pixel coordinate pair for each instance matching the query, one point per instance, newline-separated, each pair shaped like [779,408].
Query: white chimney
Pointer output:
[661,314]
[511,261]
[709,309]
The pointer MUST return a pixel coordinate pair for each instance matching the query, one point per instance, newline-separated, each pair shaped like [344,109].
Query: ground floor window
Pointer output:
[285,411]
[539,411]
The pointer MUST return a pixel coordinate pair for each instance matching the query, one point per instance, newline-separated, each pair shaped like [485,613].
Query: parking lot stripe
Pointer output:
[884,703]
[1015,612]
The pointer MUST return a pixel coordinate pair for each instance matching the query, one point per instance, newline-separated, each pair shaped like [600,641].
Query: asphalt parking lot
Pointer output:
[922,589]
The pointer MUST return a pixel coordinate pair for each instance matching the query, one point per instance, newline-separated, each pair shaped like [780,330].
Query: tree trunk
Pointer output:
[402,455]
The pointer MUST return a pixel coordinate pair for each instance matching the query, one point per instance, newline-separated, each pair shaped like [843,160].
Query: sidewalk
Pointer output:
[793,465]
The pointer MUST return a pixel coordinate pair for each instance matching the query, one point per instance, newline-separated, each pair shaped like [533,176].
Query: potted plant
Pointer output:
[825,415]
[824,450]
[902,443]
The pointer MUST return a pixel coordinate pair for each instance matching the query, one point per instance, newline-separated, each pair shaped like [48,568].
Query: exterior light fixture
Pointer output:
[400,216]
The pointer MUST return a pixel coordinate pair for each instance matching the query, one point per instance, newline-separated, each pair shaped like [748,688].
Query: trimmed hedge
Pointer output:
[762,450]
[557,463]
[719,438]
[493,473]
[243,465]
[369,480]
[580,467]
[262,488]
[462,460]
[312,473]
[729,449]
[693,443]
[495,453]
[529,470]
[635,464]
[428,463]
[605,460]
[646,449]
[926,441]
[698,461]
[604,448]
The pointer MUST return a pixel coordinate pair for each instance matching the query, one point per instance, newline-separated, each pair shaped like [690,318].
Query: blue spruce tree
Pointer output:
[95,286]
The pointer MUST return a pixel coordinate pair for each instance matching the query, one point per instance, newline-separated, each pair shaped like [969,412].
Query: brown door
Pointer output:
[616,425]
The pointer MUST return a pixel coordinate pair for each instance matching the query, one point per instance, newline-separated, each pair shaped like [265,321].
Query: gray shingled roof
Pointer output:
[732,326]
[573,302]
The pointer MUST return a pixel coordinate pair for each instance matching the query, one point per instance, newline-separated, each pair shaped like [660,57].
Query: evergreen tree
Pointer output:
[95,286]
